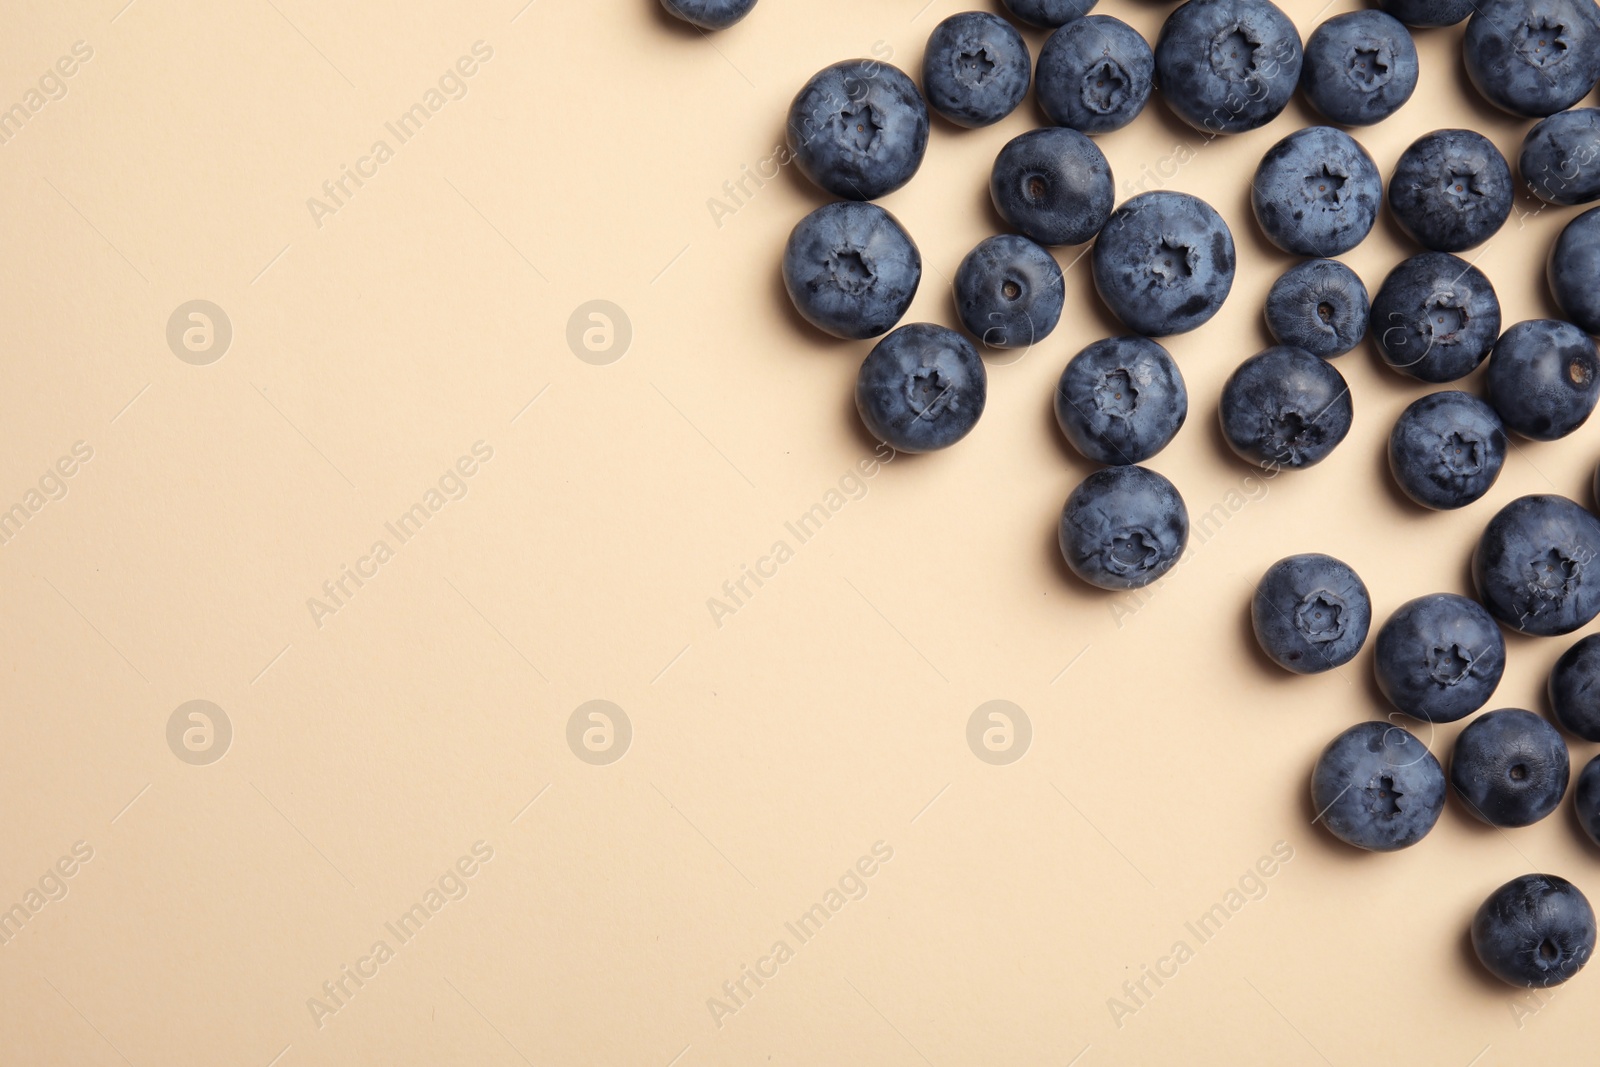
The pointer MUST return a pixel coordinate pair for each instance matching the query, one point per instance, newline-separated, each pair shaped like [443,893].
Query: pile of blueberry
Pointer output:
[1163,263]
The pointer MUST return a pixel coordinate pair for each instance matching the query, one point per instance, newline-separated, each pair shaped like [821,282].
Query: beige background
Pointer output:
[430,711]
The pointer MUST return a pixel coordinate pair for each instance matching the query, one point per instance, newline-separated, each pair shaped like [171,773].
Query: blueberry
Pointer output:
[851,269]
[1439,657]
[1095,74]
[1377,787]
[1509,767]
[1009,292]
[1316,192]
[1311,613]
[1426,13]
[976,69]
[1560,161]
[1535,565]
[1435,317]
[1121,400]
[1164,262]
[1123,527]
[1284,407]
[1543,378]
[858,129]
[1451,190]
[1575,689]
[1053,185]
[1319,305]
[1048,13]
[1360,68]
[1535,931]
[1533,57]
[1586,798]
[709,14]
[1573,267]
[921,388]
[1227,66]
[1446,449]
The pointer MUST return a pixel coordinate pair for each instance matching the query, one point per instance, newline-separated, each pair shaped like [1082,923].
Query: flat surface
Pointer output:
[382,732]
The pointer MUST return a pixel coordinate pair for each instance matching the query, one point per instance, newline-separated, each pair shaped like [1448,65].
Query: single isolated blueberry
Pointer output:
[1053,185]
[709,14]
[851,269]
[1121,400]
[1451,190]
[1284,407]
[1533,57]
[1543,378]
[1573,268]
[1316,192]
[1095,74]
[1446,449]
[1560,161]
[1009,292]
[1123,527]
[976,69]
[1575,688]
[1535,931]
[1164,262]
[1536,565]
[1586,798]
[1377,787]
[1227,66]
[1048,13]
[1425,13]
[1360,68]
[1439,657]
[921,388]
[858,129]
[1435,317]
[1319,305]
[1510,767]
[1311,613]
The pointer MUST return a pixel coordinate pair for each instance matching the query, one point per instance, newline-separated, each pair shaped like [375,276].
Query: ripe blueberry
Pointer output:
[1316,192]
[1121,400]
[921,388]
[858,129]
[1536,568]
[1284,407]
[1123,527]
[1053,185]
[1164,262]
[1439,657]
[976,69]
[1509,767]
[1435,317]
[1534,931]
[1377,787]
[851,269]
[1319,305]
[1446,449]
[1311,613]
